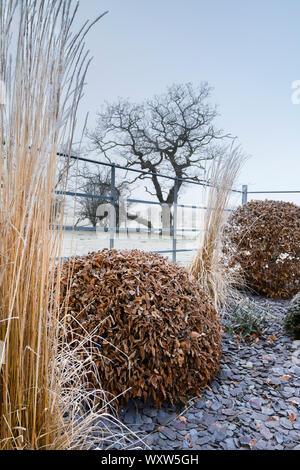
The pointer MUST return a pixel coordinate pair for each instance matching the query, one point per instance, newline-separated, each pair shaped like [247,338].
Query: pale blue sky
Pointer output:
[249,51]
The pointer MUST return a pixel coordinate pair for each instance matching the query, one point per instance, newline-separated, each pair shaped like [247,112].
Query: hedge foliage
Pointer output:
[262,238]
[158,333]
[292,318]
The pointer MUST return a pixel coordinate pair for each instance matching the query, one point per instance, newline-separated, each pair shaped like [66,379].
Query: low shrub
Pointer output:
[245,320]
[292,318]
[158,333]
[262,240]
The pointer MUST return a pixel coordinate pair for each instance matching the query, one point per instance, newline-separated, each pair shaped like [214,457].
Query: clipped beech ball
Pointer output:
[262,240]
[160,334]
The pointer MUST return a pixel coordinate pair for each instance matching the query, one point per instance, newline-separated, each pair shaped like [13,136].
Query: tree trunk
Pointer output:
[166,219]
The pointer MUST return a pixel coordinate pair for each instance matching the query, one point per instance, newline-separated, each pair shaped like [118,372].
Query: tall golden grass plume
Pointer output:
[43,70]
[209,265]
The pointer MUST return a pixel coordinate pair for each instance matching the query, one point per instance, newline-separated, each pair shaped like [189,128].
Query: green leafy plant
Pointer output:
[245,320]
[292,318]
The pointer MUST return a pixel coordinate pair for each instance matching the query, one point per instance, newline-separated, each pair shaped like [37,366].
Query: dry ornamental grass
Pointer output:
[43,66]
[157,330]
[208,266]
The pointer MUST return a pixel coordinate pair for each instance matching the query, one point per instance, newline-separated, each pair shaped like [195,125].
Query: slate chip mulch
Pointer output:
[254,403]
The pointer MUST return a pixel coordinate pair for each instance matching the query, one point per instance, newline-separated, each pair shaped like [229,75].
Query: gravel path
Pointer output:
[253,404]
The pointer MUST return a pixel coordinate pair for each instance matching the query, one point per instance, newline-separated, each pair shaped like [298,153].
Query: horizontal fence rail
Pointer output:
[136,170]
[245,193]
[113,199]
[273,192]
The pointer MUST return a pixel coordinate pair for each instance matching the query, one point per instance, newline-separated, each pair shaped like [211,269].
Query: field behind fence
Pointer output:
[170,229]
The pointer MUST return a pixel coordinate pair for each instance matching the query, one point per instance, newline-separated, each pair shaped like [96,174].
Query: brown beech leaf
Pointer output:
[182,419]
[292,417]
[252,443]
[271,338]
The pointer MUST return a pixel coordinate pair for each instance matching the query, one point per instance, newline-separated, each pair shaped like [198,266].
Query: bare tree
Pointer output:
[94,183]
[64,169]
[98,183]
[173,133]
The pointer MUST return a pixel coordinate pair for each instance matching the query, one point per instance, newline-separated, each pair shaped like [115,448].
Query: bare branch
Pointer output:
[173,133]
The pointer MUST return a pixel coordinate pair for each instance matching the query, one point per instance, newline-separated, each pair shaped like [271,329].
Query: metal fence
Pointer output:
[113,199]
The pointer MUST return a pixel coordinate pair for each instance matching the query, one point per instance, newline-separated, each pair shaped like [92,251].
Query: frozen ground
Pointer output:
[253,404]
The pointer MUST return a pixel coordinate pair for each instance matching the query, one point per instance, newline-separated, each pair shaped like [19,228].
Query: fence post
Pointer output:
[112,214]
[175,220]
[244,194]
